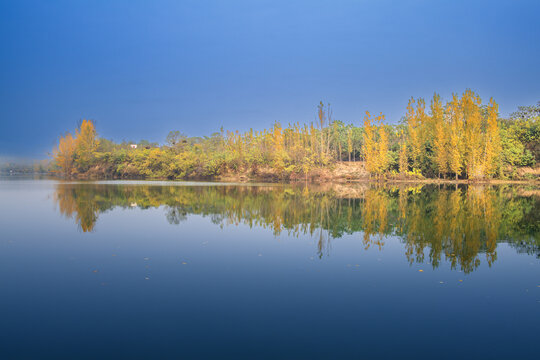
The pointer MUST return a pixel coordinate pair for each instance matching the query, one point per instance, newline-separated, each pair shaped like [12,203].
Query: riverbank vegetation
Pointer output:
[459,139]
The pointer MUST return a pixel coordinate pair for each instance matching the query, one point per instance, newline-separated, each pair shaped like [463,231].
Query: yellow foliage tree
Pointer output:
[370,150]
[278,147]
[382,147]
[414,117]
[472,117]
[440,141]
[86,144]
[455,142]
[64,154]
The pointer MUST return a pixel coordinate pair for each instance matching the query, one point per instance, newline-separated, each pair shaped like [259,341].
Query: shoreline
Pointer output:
[243,179]
[382,181]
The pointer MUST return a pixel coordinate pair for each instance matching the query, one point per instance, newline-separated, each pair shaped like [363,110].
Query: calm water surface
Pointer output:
[194,270]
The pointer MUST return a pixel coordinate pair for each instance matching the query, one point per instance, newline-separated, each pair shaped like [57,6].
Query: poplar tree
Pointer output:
[470,105]
[382,147]
[370,151]
[277,142]
[413,127]
[455,141]
[440,141]
[492,140]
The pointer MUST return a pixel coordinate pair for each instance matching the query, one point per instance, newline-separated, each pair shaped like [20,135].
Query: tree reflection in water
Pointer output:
[459,224]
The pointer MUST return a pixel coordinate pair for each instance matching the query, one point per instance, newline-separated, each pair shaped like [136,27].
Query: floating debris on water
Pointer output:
[420,270]
[95,271]
[146,278]
[184,263]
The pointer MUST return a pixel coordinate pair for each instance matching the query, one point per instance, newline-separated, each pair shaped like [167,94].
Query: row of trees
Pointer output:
[459,139]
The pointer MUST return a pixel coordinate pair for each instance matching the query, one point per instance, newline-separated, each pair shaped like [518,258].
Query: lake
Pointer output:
[127,269]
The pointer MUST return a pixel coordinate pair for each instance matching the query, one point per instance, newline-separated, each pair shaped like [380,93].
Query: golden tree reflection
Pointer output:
[435,224]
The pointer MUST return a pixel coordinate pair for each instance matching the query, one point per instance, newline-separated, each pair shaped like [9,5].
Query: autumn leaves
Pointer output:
[75,154]
[459,139]
[375,145]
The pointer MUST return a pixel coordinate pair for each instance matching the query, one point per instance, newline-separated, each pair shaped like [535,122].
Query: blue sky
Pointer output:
[143,68]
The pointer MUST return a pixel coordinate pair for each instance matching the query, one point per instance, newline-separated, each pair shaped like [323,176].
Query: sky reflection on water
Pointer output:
[105,270]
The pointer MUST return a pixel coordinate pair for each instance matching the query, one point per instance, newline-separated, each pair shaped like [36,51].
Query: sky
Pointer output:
[140,69]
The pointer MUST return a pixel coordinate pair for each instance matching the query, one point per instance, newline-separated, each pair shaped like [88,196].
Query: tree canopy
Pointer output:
[460,139]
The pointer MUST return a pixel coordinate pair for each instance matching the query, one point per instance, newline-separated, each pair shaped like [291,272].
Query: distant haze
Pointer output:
[143,68]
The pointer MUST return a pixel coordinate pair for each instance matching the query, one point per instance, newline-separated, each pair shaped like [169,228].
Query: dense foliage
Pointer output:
[459,139]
